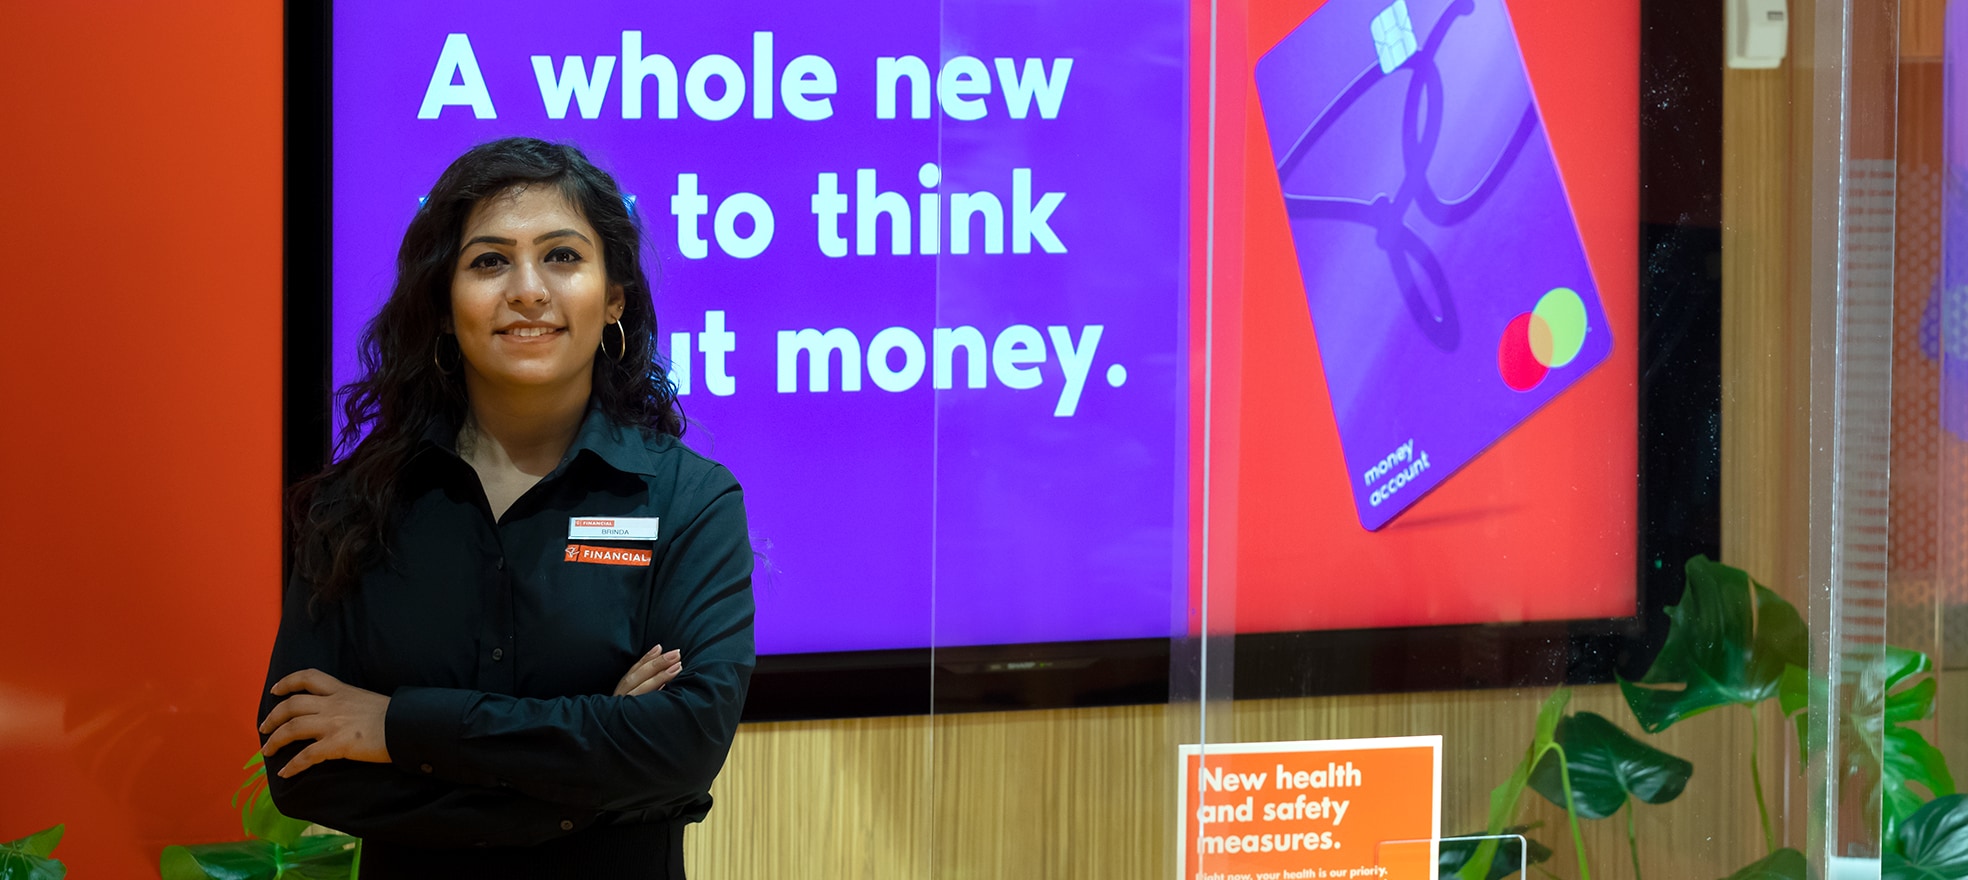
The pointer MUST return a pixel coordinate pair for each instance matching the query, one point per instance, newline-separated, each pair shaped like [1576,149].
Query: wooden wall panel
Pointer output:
[1951,725]
[1765,317]
[841,799]
[1090,793]
[1766,339]
[1920,28]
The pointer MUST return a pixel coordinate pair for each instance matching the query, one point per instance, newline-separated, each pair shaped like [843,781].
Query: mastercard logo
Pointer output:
[1542,339]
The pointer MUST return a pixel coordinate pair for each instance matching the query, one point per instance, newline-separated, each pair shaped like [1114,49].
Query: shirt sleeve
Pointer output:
[655,751]
[380,801]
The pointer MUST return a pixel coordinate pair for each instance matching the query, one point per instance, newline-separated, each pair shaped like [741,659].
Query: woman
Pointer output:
[456,679]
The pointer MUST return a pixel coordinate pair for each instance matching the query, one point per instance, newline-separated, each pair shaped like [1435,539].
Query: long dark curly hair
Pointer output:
[342,517]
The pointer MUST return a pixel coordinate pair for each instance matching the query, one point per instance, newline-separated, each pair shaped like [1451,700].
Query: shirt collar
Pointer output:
[619,446]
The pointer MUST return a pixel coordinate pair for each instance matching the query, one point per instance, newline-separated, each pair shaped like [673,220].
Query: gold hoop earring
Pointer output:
[624,349]
[437,357]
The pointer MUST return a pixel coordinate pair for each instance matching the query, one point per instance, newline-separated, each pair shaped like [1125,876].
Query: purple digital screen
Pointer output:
[920,269]
[1944,318]
[1446,279]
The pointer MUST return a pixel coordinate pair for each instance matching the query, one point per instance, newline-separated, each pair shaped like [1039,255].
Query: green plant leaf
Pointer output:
[1894,866]
[1728,641]
[264,821]
[1904,663]
[1910,760]
[1794,689]
[1607,765]
[41,843]
[318,857]
[1911,769]
[1932,844]
[1912,704]
[1456,853]
[1905,757]
[1503,798]
[242,860]
[1784,864]
[29,857]
[322,857]
[258,816]
[21,866]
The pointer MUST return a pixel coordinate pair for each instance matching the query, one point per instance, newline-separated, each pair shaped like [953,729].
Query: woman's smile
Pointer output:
[531,333]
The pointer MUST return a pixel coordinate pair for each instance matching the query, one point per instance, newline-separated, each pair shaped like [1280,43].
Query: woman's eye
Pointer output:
[563,255]
[487,260]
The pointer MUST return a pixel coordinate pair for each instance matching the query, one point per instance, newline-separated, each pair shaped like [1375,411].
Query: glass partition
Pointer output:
[1429,438]
[1057,211]
[1685,661]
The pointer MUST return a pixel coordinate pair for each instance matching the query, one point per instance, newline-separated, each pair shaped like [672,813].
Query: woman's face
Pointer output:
[530,293]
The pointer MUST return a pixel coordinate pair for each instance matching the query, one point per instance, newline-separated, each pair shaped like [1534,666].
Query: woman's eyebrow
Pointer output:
[507,242]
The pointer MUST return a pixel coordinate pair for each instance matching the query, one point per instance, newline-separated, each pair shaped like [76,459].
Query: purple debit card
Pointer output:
[1448,286]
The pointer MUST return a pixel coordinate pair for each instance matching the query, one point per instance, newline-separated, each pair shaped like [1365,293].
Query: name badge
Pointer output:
[618,528]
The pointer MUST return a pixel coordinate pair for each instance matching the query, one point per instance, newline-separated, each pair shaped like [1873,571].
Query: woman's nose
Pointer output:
[529,286]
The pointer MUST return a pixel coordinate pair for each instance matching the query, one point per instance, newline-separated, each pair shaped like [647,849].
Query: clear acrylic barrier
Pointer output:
[1786,774]
[1062,675]
[1797,487]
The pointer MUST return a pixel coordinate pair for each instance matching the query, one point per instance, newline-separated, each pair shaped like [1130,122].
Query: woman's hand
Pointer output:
[343,720]
[650,673]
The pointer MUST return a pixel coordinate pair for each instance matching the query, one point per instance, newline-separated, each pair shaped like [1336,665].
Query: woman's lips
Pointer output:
[532,337]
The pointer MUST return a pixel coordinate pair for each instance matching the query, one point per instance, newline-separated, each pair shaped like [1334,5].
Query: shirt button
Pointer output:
[566,825]
[426,768]
[498,654]
[501,564]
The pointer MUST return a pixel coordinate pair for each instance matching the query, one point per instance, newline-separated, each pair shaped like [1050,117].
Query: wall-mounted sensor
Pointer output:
[1758,32]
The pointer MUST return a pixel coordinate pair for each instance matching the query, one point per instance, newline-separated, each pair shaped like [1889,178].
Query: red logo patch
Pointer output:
[607,555]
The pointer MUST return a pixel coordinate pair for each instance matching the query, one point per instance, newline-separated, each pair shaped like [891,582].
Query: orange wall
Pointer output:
[139,417]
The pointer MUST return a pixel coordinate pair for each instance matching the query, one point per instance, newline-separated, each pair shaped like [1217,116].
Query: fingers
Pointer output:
[657,681]
[308,757]
[647,656]
[289,709]
[636,672]
[655,663]
[292,731]
[309,727]
[646,668]
[313,681]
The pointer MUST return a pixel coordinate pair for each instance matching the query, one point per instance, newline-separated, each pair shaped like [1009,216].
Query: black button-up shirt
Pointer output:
[500,642]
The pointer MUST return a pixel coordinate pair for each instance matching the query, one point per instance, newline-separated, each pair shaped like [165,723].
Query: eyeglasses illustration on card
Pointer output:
[1447,283]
